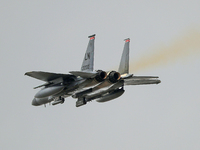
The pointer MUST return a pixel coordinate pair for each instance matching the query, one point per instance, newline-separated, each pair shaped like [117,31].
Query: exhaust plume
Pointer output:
[182,47]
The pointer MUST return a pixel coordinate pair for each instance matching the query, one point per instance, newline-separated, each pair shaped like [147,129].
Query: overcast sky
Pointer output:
[52,36]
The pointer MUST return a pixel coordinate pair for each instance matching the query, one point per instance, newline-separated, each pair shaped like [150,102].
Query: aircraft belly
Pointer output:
[103,84]
[92,83]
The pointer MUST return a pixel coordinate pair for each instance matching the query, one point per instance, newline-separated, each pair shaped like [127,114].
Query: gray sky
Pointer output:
[52,36]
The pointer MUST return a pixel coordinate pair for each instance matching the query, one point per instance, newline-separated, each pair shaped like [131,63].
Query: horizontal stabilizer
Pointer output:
[47,76]
[141,80]
[84,74]
[142,77]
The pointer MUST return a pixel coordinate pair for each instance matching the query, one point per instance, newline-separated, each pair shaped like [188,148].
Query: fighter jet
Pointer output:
[87,85]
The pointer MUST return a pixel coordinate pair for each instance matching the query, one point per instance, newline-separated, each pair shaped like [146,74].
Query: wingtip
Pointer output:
[26,73]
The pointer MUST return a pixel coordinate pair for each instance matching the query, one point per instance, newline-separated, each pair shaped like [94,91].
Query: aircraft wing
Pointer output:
[84,74]
[47,76]
[141,80]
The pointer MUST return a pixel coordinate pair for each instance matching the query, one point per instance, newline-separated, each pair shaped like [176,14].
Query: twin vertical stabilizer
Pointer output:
[88,60]
[124,63]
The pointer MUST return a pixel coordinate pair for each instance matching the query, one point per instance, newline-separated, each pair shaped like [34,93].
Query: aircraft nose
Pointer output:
[34,102]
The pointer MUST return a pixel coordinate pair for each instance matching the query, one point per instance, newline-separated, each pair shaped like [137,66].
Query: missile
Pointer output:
[57,102]
[80,102]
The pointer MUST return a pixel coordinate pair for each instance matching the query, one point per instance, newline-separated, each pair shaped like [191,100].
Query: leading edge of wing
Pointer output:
[84,74]
[47,76]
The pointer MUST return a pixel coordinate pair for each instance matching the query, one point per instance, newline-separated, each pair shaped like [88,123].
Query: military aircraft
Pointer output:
[87,85]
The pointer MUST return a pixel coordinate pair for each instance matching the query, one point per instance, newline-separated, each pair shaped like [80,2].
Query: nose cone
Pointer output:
[34,102]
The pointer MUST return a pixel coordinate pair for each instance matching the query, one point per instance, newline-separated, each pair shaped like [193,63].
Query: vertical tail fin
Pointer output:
[88,60]
[124,63]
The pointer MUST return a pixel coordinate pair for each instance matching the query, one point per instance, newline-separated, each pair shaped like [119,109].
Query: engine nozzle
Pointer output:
[101,75]
[114,76]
